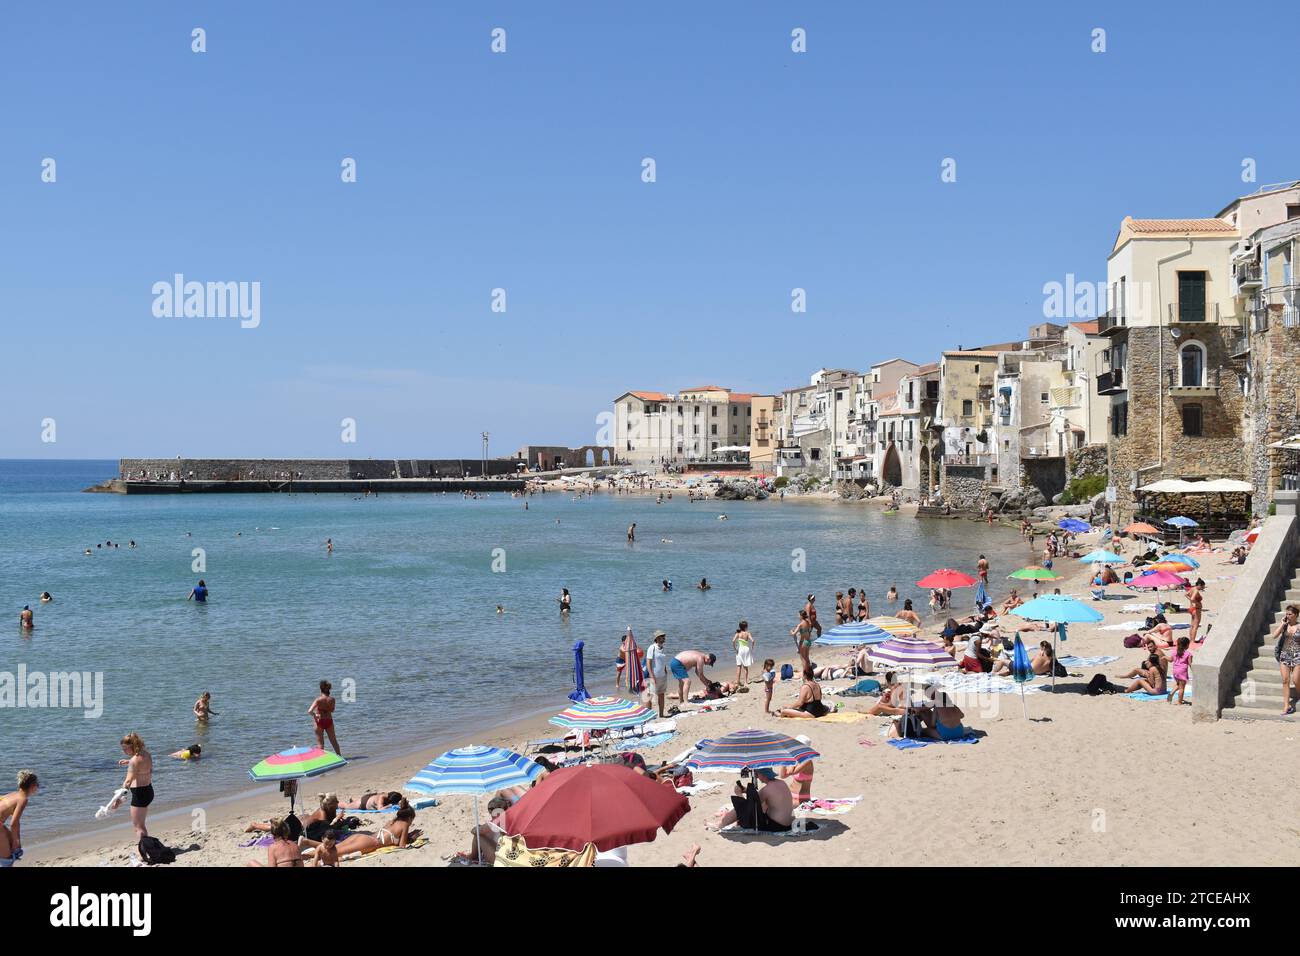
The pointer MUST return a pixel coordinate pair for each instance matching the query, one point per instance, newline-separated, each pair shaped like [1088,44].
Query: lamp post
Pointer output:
[483,473]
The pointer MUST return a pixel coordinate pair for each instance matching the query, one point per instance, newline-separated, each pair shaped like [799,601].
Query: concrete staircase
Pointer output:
[1259,689]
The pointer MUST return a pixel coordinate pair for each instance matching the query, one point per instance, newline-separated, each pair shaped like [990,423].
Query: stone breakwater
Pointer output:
[346,475]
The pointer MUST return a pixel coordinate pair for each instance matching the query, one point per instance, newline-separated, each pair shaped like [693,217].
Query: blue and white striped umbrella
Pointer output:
[1181,521]
[475,769]
[852,634]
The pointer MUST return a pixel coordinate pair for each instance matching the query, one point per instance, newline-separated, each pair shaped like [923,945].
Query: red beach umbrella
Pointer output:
[606,804]
[946,578]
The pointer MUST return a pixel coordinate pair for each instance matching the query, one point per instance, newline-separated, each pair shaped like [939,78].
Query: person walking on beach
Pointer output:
[322,712]
[802,634]
[1287,653]
[864,606]
[743,642]
[769,681]
[12,806]
[982,566]
[1182,660]
[199,593]
[1195,599]
[656,663]
[203,707]
[25,620]
[139,780]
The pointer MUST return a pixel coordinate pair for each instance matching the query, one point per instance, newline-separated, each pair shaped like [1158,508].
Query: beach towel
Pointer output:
[1125,626]
[645,743]
[1089,661]
[116,801]
[422,804]
[414,844]
[735,830]
[513,851]
[982,684]
[911,744]
[863,688]
[828,806]
[1143,695]
[841,717]
[257,841]
[698,788]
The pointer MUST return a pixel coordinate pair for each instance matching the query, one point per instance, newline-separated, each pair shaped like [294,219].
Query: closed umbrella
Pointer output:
[476,770]
[1060,610]
[607,805]
[579,686]
[1022,672]
[981,596]
[633,670]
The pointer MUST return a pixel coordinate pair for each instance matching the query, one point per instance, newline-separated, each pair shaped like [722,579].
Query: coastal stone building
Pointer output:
[705,423]
[1193,377]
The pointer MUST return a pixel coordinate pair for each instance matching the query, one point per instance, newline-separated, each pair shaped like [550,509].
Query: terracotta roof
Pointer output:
[742,397]
[707,388]
[931,367]
[1087,328]
[1148,226]
[651,396]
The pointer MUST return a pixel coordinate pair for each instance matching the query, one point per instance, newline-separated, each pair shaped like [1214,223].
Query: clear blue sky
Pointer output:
[522,171]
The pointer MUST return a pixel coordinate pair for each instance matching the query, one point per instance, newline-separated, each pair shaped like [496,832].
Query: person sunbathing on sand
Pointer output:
[1153,650]
[398,833]
[282,851]
[326,815]
[485,839]
[809,702]
[1152,681]
[372,800]
[892,698]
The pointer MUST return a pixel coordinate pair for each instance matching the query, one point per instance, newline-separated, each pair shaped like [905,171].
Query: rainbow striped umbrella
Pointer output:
[749,750]
[894,625]
[475,769]
[912,653]
[602,713]
[633,669]
[294,763]
[852,634]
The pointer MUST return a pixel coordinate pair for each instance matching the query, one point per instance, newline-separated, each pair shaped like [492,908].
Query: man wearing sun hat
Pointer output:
[656,662]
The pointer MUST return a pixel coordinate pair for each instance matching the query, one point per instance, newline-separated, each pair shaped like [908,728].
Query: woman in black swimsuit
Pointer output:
[810,699]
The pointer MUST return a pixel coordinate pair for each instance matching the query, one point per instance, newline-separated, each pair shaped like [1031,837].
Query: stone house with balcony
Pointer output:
[964,422]
[653,428]
[904,455]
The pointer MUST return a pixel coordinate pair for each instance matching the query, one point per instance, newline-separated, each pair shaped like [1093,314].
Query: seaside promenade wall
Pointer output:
[1218,666]
[311,469]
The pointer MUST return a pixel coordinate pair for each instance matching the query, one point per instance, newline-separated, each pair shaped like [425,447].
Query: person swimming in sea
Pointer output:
[25,620]
[46,597]
[192,752]
[199,593]
[704,585]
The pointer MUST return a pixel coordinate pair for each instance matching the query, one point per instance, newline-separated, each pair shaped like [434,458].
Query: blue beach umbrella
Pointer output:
[1073,525]
[853,634]
[1101,556]
[1022,672]
[580,688]
[1180,521]
[1060,610]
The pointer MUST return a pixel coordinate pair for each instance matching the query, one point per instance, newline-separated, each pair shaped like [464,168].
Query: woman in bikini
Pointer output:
[322,712]
[802,634]
[907,614]
[864,606]
[1152,680]
[802,775]
[398,833]
[809,701]
[1153,650]
[1195,597]
[203,708]
[282,851]
[139,780]
[12,806]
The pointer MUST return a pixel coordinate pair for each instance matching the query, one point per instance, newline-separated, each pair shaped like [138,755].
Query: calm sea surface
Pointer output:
[405,608]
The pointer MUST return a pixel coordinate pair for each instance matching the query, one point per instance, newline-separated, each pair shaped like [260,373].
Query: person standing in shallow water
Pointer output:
[322,712]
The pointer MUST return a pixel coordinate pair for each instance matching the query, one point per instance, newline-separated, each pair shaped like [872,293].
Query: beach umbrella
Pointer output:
[1073,525]
[476,770]
[602,713]
[1181,521]
[946,578]
[912,653]
[1034,573]
[1060,610]
[295,764]
[1251,535]
[853,634]
[1173,565]
[1141,527]
[1158,580]
[748,750]
[895,626]
[1101,556]
[1022,672]
[607,805]
[579,686]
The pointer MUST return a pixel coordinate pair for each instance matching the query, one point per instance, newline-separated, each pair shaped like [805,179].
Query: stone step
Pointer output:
[1263,676]
[1246,713]
[1271,700]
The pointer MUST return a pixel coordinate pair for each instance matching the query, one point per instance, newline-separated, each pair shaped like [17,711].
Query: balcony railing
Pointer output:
[1249,273]
[978,460]
[1109,321]
[1236,341]
[1208,388]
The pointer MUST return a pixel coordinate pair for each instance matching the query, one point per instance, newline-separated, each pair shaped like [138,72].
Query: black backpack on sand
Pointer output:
[154,851]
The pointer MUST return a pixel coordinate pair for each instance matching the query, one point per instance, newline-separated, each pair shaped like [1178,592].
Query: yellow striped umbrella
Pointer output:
[894,625]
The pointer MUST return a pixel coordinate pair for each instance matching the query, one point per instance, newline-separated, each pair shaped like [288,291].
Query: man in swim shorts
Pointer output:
[681,666]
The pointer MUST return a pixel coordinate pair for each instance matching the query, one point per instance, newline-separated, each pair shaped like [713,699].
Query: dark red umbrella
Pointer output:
[607,804]
[945,578]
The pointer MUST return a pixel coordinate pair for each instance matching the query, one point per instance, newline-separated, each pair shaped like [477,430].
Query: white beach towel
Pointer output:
[1089,661]
[118,799]
[982,684]
[1124,626]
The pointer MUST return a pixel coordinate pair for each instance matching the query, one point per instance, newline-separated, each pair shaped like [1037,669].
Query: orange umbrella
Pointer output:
[1174,565]
[1141,527]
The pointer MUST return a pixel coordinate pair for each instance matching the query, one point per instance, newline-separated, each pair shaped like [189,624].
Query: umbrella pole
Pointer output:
[1022,698]
[478,837]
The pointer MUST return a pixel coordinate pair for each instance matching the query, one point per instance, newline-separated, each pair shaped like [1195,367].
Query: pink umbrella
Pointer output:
[1158,580]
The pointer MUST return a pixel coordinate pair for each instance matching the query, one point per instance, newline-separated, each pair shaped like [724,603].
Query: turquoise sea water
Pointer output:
[405,608]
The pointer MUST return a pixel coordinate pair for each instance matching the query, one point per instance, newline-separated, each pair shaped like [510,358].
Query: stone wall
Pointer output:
[1046,474]
[1085,461]
[1271,410]
[1217,453]
[963,486]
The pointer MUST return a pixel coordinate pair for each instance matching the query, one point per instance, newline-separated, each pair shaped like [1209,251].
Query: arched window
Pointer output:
[1191,365]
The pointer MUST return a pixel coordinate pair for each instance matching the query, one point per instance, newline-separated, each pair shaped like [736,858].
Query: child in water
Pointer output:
[192,752]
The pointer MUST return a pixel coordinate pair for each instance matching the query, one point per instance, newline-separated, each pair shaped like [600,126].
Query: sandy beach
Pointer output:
[1083,781]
